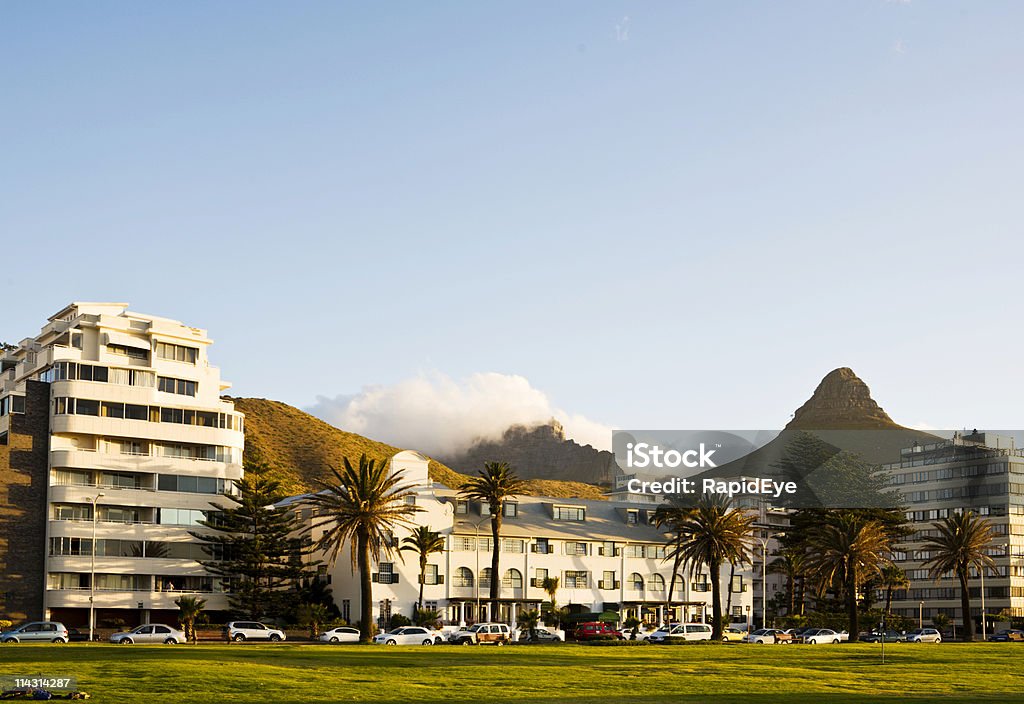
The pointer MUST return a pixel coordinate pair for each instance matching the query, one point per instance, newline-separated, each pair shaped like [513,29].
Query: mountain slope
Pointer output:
[302,448]
[541,452]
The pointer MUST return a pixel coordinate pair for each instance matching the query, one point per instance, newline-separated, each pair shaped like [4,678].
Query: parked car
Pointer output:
[814,636]
[36,631]
[149,633]
[925,635]
[77,636]
[539,635]
[682,631]
[407,635]
[342,634]
[497,633]
[844,636]
[734,633]
[595,630]
[252,630]
[887,636]
[769,635]
[1007,635]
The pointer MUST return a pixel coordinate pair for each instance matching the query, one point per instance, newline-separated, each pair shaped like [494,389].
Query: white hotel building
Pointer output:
[138,443]
[607,555]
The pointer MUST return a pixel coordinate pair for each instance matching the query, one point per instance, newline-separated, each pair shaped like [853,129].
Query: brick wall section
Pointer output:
[24,463]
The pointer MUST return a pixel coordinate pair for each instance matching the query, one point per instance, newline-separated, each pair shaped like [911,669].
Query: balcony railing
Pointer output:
[384,578]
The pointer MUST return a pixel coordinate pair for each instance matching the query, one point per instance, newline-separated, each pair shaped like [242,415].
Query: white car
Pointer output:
[342,634]
[408,635]
[768,635]
[816,636]
[924,635]
[540,635]
[149,633]
[682,631]
[240,631]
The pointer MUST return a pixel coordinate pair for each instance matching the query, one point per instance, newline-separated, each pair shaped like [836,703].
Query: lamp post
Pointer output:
[764,576]
[984,619]
[476,548]
[749,624]
[92,570]
[920,615]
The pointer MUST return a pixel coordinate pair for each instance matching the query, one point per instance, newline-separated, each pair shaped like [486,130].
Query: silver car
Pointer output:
[240,631]
[36,631]
[149,633]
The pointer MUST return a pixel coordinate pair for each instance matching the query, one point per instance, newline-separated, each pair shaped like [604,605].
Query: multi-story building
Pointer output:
[607,555]
[114,443]
[978,472]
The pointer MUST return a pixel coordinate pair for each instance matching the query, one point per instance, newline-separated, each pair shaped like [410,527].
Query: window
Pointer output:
[634,551]
[570,513]
[575,548]
[632,517]
[539,575]
[577,579]
[738,586]
[430,575]
[131,352]
[636,582]
[657,582]
[463,543]
[511,509]
[176,353]
[182,387]
[608,580]
[542,546]
[87,407]
[485,577]
[461,507]
[512,545]
[513,579]
[656,552]
[463,577]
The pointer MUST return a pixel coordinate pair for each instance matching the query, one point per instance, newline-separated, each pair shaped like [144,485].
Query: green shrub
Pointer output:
[613,643]
[5,625]
[680,641]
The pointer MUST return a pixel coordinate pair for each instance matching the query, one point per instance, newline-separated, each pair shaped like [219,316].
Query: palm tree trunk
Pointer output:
[851,602]
[728,599]
[671,585]
[965,606]
[365,586]
[716,600]
[423,578]
[495,559]
[791,593]
[888,600]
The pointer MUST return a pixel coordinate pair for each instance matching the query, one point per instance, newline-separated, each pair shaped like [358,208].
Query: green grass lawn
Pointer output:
[288,673]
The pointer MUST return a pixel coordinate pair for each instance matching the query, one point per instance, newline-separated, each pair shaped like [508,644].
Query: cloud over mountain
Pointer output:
[443,416]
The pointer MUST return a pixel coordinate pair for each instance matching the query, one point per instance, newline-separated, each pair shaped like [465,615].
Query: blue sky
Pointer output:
[659,214]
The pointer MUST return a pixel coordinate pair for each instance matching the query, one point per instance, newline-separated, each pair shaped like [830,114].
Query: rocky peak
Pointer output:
[841,401]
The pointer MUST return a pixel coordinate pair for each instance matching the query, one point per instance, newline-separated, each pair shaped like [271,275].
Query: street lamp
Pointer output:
[984,618]
[920,615]
[764,576]
[92,569]
[476,546]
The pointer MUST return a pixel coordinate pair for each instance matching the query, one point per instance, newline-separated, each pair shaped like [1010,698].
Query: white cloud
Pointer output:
[442,416]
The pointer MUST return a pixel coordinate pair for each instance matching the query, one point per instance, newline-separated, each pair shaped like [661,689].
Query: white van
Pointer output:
[683,631]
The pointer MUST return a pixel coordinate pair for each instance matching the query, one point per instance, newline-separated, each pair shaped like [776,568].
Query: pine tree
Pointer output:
[256,549]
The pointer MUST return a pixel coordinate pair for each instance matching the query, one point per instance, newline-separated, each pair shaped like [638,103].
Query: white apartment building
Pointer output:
[607,555]
[139,444]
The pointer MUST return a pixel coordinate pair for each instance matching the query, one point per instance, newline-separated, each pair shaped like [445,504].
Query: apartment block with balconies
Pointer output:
[140,444]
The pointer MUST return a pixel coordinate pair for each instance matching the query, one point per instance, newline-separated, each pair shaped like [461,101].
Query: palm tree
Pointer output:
[893,579]
[550,585]
[960,545]
[361,507]
[791,562]
[495,484]
[529,621]
[424,542]
[189,608]
[672,515]
[846,549]
[714,534]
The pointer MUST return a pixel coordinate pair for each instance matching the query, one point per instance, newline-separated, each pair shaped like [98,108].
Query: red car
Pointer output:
[596,630]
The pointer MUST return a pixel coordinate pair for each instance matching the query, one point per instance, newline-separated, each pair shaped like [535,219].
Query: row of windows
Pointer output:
[962,492]
[974,470]
[154,414]
[937,513]
[569,547]
[107,547]
[176,353]
[74,371]
[128,351]
[182,387]
[12,404]
[138,582]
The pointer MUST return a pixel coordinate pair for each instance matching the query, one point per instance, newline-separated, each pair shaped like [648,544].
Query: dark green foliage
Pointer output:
[262,559]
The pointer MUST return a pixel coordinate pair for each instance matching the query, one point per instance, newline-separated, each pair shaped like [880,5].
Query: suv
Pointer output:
[251,630]
[682,631]
[48,631]
[497,633]
[595,630]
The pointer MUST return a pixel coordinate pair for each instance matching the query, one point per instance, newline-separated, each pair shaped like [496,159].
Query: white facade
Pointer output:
[135,415]
[607,556]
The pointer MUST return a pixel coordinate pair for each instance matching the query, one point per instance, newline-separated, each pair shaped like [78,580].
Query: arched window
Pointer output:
[657,582]
[463,577]
[513,579]
[485,578]
[636,582]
